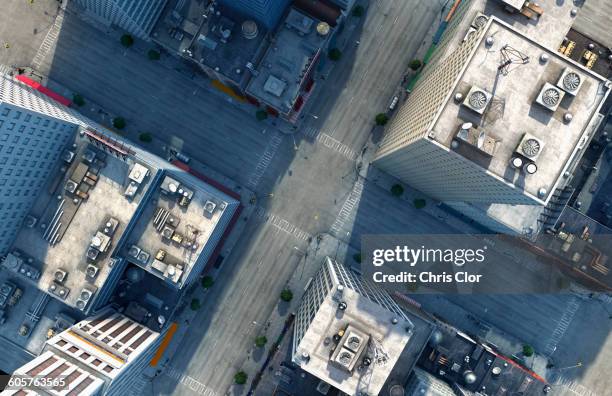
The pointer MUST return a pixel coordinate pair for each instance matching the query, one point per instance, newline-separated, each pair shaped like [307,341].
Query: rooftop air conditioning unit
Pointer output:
[530,147]
[210,206]
[134,251]
[60,275]
[570,81]
[84,298]
[550,96]
[353,341]
[345,358]
[92,271]
[480,20]
[143,257]
[477,99]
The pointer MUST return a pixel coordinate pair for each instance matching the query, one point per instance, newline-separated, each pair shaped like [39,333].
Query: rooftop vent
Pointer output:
[60,275]
[480,20]
[530,147]
[84,298]
[210,206]
[323,29]
[353,341]
[570,81]
[134,251]
[249,30]
[477,99]
[92,271]
[550,96]
[345,357]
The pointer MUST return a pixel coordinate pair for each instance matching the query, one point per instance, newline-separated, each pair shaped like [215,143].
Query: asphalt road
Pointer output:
[302,189]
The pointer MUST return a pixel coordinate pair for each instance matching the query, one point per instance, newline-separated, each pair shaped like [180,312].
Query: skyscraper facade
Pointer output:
[135,16]
[266,12]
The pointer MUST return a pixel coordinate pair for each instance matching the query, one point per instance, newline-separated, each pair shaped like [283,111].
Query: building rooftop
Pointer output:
[99,209]
[460,360]
[507,118]
[213,36]
[174,227]
[33,308]
[91,353]
[353,348]
[288,61]
[68,242]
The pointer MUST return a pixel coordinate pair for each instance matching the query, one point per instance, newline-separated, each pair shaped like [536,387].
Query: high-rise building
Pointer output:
[79,211]
[266,12]
[135,16]
[102,355]
[349,332]
[423,383]
[496,117]
[31,142]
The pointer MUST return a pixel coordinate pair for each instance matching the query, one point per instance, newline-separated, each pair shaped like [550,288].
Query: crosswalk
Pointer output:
[49,41]
[264,161]
[567,387]
[564,323]
[262,215]
[347,208]
[331,143]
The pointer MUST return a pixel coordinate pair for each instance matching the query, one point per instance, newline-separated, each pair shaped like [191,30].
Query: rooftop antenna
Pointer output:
[510,56]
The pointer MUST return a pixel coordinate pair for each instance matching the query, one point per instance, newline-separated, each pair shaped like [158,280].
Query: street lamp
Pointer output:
[579,364]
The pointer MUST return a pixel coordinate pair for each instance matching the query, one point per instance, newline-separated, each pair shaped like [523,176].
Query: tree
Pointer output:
[145,137]
[153,54]
[195,304]
[261,115]
[528,350]
[415,64]
[419,203]
[207,282]
[119,122]
[358,11]
[397,190]
[260,341]
[241,378]
[78,100]
[286,295]
[357,257]
[335,54]
[127,40]
[381,119]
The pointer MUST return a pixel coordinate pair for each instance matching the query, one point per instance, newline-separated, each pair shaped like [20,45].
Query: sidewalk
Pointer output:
[311,261]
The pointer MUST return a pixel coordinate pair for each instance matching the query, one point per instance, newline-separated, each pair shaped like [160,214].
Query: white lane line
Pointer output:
[562,325]
[264,161]
[281,224]
[574,387]
[49,41]
[347,208]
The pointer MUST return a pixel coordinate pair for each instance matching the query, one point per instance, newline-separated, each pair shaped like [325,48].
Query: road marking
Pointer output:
[562,325]
[331,143]
[190,382]
[351,201]
[281,224]
[574,387]
[49,41]
[311,132]
[264,161]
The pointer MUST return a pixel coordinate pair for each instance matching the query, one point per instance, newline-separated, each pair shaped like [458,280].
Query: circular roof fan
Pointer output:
[345,358]
[531,147]
[478,100]
[480,21]
[550,97]
[353,342]
[571,81]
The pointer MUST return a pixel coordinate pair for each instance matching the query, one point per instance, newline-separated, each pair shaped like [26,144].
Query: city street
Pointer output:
[305,184]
